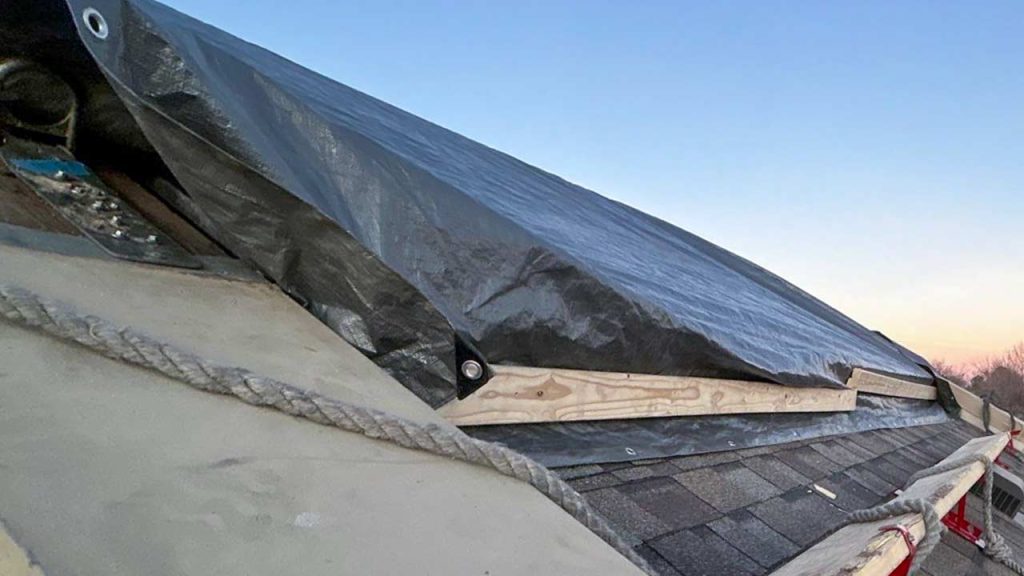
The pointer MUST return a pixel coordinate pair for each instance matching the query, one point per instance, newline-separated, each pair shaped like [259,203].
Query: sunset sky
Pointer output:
[872,153]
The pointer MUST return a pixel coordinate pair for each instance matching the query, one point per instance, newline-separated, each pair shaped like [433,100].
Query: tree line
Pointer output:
[1000,376]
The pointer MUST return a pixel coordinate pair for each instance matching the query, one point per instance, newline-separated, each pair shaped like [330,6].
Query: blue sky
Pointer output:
[869,152]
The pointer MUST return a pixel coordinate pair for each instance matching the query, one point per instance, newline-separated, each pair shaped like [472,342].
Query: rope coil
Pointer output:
[28,309]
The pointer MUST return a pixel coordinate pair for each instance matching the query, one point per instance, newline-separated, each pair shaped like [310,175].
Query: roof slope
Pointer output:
[749,511]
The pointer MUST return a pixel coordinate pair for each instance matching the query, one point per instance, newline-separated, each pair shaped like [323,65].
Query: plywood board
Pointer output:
[521,395]
[862,550]
[874,383]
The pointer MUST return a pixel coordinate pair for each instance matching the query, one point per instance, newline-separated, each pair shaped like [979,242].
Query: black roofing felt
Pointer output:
[749,511]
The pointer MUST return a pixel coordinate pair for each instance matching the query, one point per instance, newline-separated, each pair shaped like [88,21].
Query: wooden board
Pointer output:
[20,206]
[971,408]
[861,550]
[873,383]
[521,395]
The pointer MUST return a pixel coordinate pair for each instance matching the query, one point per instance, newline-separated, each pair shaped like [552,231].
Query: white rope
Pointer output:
[28,309]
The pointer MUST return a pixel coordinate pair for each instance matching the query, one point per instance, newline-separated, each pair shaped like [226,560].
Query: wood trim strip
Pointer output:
[518,395]
[874,383]
[861,550]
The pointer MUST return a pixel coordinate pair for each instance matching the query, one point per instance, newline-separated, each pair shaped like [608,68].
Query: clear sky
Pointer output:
[870,152]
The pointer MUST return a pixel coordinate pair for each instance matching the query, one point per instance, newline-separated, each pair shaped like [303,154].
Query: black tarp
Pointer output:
[399,234]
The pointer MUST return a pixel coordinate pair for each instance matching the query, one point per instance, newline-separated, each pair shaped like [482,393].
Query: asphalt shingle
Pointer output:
[704,460]
[634,473]
[898,462]
[673,505]
[808,462]
[876,449]
[835,452]
[728,486]
[885,470]
[932,448]
[850,495]
[868,479]
[632,521]
[801,515]
[775,471]
[588,483]
[754,538]
[859,451]
[661,566]
[701,552]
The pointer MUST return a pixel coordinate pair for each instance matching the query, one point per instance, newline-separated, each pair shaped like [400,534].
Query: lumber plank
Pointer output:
[523,395]
[861,550]
[874,383]
[972,406]
[20,206]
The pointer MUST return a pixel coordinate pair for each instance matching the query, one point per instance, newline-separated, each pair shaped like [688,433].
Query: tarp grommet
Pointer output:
[96,23]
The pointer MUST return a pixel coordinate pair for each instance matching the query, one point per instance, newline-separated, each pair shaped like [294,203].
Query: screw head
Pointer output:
[151,239]
[472,370]
[119,233]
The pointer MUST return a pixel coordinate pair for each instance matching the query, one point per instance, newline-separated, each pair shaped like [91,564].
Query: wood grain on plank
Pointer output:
[861,550]
[20,206]
[874,383]
[521,395]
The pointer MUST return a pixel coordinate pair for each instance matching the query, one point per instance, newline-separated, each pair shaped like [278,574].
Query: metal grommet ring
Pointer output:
[472,370]
[96,23]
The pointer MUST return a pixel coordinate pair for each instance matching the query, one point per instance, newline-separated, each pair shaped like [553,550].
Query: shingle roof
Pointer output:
[749,511]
